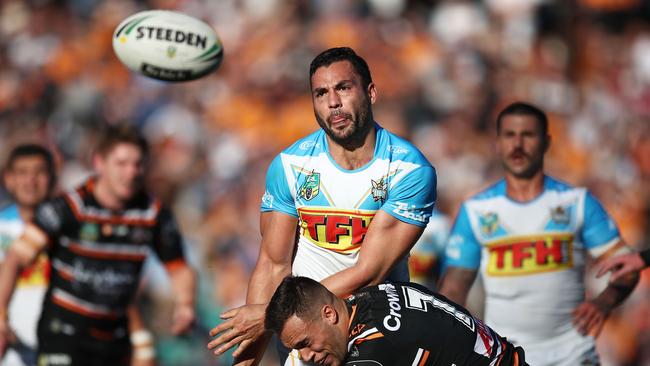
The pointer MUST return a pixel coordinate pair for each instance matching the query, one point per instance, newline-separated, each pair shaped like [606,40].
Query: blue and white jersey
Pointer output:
[27,299]
[531,256]
[335,206]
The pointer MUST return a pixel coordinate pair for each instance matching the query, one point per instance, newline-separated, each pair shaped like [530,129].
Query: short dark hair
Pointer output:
[121,134]
[26,150]
[337,54]
[526,109]
[301,296]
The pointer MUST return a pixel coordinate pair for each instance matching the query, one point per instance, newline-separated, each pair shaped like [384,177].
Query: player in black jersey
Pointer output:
[391,324]
[97,238]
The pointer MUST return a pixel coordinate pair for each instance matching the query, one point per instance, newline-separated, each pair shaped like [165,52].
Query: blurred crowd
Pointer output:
[442,69]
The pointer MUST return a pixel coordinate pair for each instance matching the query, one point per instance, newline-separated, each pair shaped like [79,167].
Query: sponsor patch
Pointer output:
[311,187]
[489,222]
[530,255]
[379,190]
[337,230]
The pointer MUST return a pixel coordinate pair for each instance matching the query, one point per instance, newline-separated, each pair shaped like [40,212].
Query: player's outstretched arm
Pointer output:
[622,265]
[387,241]
[456,283]
[245,325]
[21,253]
[589,317]
[183,280]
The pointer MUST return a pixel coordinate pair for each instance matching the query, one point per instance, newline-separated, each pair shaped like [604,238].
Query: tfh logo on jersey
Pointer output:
[310,188]
[338,230]
[532,254]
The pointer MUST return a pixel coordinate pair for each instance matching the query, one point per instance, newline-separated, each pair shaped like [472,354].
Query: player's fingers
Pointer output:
[595,324]
[223,338]
[229,313]
[228,345]
[221,328]
[581,319]
[242,347]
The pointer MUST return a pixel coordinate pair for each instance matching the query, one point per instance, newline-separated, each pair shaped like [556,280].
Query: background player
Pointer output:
[97,237]
[29,178]
[358,195]
[530,235]
[388,324]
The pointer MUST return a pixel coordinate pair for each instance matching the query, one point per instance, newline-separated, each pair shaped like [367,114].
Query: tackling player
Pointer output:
[388,324]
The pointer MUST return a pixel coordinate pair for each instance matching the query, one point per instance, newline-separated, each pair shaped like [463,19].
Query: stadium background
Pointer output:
[442,69]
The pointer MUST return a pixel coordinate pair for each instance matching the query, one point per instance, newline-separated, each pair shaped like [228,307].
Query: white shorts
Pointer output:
[569,349]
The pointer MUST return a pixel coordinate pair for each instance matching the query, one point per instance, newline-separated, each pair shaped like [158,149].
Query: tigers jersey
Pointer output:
[27,299]
[532,257]
[407,324]
[335,207]
[97,255]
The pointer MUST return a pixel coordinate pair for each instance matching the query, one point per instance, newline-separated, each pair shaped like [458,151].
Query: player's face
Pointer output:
[121,170]
[341,103]
[318,341]
[28,180]
[521,145]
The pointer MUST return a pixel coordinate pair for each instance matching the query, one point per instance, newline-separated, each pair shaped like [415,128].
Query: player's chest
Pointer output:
[527,239]
[319,183]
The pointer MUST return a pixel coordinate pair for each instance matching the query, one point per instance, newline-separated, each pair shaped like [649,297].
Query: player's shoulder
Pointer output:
[557,185]
[495,190]
[394,147]
[312,144]
[9,212]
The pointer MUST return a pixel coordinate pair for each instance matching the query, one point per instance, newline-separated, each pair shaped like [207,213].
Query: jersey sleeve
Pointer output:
[50,217]
[277,196]
[168,243]
[412,198]
[598,228]
[463,250]
[371,349]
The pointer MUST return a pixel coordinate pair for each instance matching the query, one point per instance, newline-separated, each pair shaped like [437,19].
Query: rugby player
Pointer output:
[388,324]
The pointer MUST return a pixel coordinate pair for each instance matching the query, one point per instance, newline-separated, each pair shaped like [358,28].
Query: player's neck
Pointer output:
[26,212]
[106,198]
[524,189]
[355,156]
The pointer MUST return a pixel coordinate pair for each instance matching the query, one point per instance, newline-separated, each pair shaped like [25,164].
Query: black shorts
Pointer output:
[64,350]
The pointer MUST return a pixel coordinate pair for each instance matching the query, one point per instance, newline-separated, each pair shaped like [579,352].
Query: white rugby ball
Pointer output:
[167,45]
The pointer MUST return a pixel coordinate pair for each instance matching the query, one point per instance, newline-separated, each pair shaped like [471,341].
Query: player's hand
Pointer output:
[183,318]
[143,362]
[589,318]
[620,266]
[242,325]
[7,337]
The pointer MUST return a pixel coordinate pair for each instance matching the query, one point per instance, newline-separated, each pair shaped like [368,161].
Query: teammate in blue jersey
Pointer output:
[29,177]
[358,196]
[529,236]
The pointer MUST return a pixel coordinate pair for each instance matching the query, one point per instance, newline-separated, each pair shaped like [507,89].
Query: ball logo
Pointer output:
[167,45]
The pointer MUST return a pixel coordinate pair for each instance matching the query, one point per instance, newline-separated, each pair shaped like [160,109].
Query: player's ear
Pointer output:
[329,314]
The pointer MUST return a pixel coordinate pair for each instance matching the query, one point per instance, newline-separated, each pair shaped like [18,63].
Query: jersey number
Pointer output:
[418,300]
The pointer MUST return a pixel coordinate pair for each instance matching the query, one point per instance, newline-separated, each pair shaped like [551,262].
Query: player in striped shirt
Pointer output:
[388,324]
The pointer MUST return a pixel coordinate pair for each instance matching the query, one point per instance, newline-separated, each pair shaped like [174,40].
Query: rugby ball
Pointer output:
[167,45]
